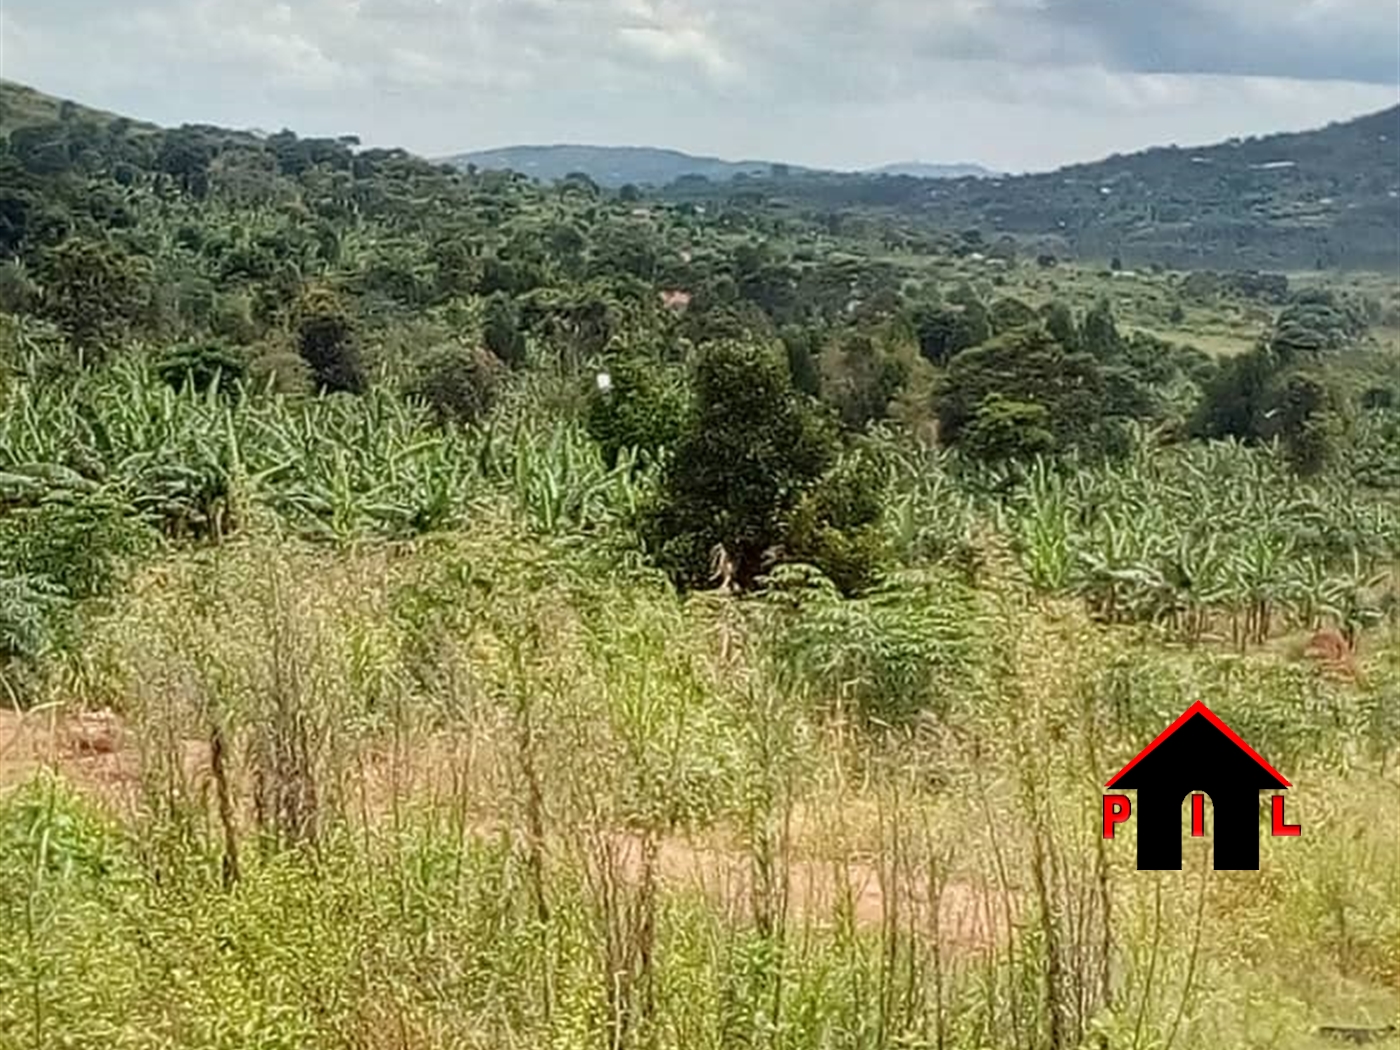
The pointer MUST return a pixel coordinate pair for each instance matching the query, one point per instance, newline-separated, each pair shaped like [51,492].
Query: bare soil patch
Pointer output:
[98,754]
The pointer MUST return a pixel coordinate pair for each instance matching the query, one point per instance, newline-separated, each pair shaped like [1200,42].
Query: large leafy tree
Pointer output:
[943,331]
[636,405]
[1025,380]
[749,449]
[94,290]
[862,379]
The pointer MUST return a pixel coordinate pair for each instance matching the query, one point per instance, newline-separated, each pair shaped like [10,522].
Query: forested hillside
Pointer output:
[439,609]
[1315,200]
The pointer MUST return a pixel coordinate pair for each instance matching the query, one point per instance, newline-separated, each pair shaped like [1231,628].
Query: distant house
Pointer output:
[1198,753]
[675,300]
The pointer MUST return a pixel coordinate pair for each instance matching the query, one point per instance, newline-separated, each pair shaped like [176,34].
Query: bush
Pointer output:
[906,650]
[201,365]
[501,331]
[326,341]
[836,526]
[31,608]
[77,546]
[1008,313]
[458,382]
[641,408]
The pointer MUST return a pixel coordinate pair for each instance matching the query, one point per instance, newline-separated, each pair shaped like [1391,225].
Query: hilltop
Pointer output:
[22,106]
[606,165]
[918,169]
[1299,201]
[616,166]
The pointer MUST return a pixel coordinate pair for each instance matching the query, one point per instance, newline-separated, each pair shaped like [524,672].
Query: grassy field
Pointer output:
[490,790]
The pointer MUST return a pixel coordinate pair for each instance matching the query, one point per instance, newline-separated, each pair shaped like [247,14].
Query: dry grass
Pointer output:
[483,792]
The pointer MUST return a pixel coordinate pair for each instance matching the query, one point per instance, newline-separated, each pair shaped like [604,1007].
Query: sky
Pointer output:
[1013,84]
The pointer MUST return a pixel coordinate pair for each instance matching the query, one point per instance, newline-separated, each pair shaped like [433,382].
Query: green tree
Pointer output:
[501,330]
[1005,429]
[1026,378]
[944,331]
[803,346]
[1008,313]
[1100,332]
[94,291]
[1059,322]
[635,405]
[862,380]
[326,341]
[1305,415]
[836,525]
[748,451]
[460,383]
[1236,398]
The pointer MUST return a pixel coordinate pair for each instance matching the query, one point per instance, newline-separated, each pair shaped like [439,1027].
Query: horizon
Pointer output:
[691,153]
[695,155]
[1012,85]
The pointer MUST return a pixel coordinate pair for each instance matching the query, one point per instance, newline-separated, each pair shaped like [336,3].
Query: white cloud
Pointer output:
[1012,82]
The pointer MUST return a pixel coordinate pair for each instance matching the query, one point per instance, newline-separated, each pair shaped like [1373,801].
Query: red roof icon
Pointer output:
[1213,719]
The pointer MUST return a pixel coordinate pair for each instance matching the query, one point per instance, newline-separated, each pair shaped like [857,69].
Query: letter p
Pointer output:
[1116,809]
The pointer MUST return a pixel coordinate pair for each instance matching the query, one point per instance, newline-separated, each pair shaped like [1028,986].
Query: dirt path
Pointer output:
[96,754]
[89,752]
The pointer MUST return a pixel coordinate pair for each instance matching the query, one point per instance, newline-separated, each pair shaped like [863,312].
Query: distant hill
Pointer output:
[615,166]
[920,170]
[607,165]
[22,106]
[1323,198]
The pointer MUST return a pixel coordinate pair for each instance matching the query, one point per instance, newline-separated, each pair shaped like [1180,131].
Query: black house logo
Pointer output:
[1197,755]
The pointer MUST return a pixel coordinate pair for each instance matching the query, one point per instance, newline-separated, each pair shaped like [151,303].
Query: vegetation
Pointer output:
[442,610]
[1314,200]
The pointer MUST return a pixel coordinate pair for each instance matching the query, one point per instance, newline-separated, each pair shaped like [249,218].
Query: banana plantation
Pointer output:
[1218,541]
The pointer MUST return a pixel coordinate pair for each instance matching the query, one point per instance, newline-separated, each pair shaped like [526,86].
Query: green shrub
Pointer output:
[640,408]
[31,610]
[502,332]
[904,650]
[836,526]
[78,545]
[326,340]
[201,365]
[460,383]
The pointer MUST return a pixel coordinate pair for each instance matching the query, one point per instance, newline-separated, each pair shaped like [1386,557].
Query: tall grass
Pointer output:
[485,789]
